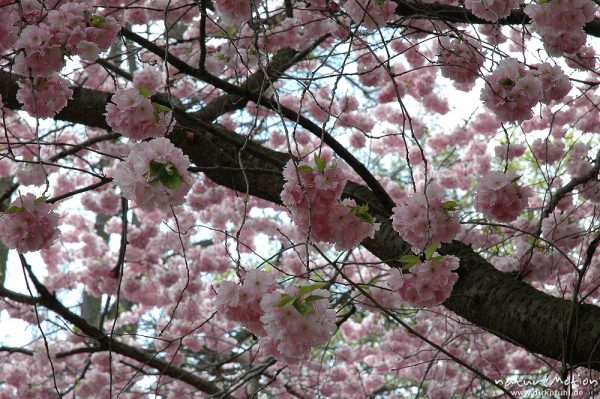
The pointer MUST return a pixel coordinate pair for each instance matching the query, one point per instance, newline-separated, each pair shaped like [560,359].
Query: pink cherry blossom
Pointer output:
[29,224]
[136,117]
[429,283]
[491,10]
[369,13]
[41,57]
[561,23]
[511,91]
[584,59]
[148,78]
[46,97]
[555,83]
[154,175]
[8,28]
[290,333]
[233,12]
[312,194]
[546,151]
[499,197]
[460,60]
[422,219]
[509,151]
[241,303]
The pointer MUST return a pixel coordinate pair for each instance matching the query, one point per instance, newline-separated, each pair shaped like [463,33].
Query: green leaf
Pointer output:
[516,179]
[39,200]
[365,217]
[430,250]
[155,168]
[310,288]
[144,92]
[507,82]
[410,260]
[285,299]
[14,209]
[437,258]
[450,206]
[320,164]
[163,173]
[362,212]
[313,298]
[159,109]
[97,21]
[303,308]
[304,169]
[171,182]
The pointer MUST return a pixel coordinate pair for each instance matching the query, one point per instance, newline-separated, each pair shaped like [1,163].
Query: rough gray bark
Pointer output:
[483,295]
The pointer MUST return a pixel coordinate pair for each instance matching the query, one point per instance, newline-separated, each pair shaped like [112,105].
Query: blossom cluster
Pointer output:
[429,283]
[369,13]
[491,10]
[293,328]
[512,90]
[44,97]
[233,12]
[149,79]
[423,219]
[154,175]
[133,115]
[29,224]
[546,151]
[287,323]
[460,60]
[561,23]
[241,303]
[71,29]
[499,196]
[312,193]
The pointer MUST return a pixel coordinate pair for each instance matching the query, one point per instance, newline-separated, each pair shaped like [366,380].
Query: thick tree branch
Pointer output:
[483,295]
[446,13]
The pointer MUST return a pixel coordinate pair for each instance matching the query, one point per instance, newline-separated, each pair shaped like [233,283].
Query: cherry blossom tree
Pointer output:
[299,199]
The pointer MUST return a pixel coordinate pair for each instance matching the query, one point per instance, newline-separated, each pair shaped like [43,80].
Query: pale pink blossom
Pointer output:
[9,28]
[509,151]
[29,224]
[584,59]
[429,283]
[312,193]
[154,175]
[491,10]
[546,151]
[46,97]
[511,91]
[41,57]
[460,60]
[135,116]
[499,196]
[561,23]
[371,14]
[291,334]
[233,12]
[422,219]
[149,78]
[241,303]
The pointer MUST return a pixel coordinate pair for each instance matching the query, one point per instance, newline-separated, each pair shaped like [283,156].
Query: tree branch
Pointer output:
[483,295]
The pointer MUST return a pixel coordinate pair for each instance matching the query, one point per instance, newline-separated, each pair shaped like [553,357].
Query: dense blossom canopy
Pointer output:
[299,199]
